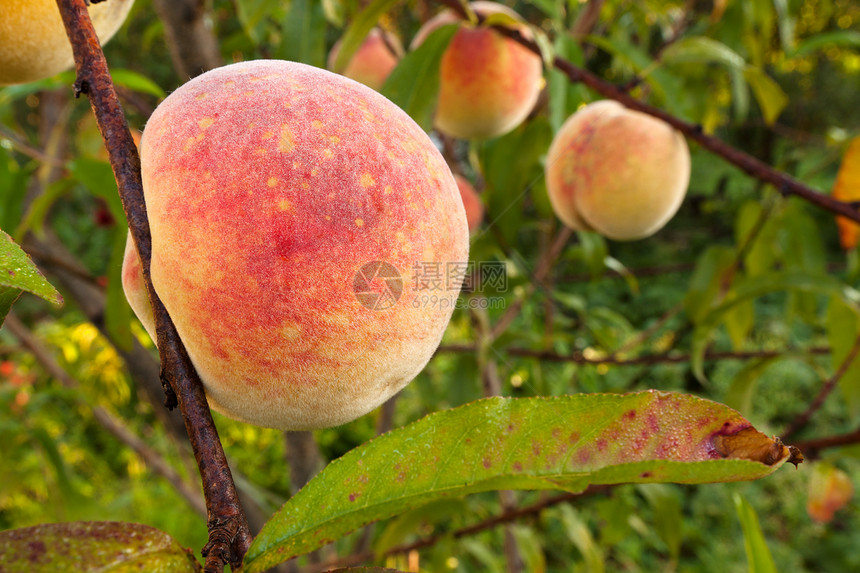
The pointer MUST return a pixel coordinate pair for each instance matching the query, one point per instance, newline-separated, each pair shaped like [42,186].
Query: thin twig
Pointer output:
[229,537]
[825,391]
[541,271]
[811,448]
[580,358]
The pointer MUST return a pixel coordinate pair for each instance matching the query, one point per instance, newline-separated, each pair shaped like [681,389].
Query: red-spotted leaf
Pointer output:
[566,443]
[93,546]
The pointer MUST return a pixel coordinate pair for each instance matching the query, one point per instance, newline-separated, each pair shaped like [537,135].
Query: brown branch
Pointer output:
[811,448]
[579,358]
[784,183]
[107,420]
[190,39]
[503,518]
[229,537]
[825,391]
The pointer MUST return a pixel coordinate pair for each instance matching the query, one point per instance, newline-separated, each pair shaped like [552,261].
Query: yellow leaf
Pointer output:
[847,188]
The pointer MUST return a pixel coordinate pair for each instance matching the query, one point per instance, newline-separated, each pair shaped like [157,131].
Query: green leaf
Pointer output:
[750,288]
[843,325]
[414,83]
[668,517]
[770,97]
[566,442]
[18,272]
[512,169]
[303,33]
[358,30]
[118,313]
[252,15]
[709,278]
[701,50]
[98,177]
[136,82]
[91,547]
[13,188]
[580,535]
[740,393]
[848,38]
[8,296]
[758,554]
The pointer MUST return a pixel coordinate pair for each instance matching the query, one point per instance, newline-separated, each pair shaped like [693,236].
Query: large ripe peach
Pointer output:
[488,83]
[373,61]
[34,44]
[617,171]
[471,202]
[299,220]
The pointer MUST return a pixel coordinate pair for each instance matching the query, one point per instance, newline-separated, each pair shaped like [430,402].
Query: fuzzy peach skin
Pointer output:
[373,61]
[33,41]
[488,84]
[269,185]
[617,171]
[471,202]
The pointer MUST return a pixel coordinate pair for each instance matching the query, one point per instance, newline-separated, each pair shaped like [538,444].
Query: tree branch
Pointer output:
[229,537]
[825,391]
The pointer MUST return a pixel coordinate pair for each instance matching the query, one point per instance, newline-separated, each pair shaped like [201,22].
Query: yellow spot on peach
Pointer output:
[328,153]
[188,143]
[367,180]
[260,151]
[327,218]
[201,96]
[199,137]
[316,124]
[306,185]
[287,142]
[388,190]
[206,122]
[272,181]
[291,331]
[359,223]
[284,205]
[334,139]
[315,171]
[268,134]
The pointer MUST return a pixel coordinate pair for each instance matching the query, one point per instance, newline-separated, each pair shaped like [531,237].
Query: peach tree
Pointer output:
[585,306]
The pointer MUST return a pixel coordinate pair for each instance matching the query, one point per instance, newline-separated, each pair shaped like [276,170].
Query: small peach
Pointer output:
[471,202]
[292,211]
[617,171]
[488,83]
[34,44]
[373,61]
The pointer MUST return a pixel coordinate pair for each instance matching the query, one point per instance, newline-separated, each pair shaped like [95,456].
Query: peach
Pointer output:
[35,45]
[617,171]
[373,61]
[471,202]
[298,219]
[488,83]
